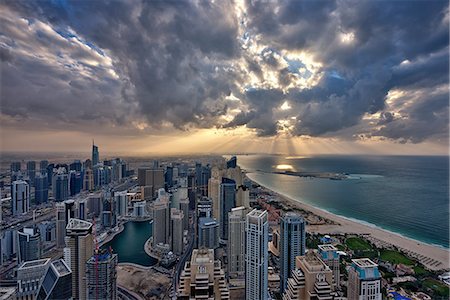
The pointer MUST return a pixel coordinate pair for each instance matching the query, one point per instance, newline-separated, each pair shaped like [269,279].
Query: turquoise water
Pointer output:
[408,195]
[129,244]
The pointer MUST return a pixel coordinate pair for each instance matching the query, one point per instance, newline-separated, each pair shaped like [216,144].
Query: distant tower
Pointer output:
[60,186]
[227,202]
[236,242]
[20,197]
[95,155]
[41,188]
[256,255]
[364,280]
[31,171]
[292,244]
[101,276]
[79,248]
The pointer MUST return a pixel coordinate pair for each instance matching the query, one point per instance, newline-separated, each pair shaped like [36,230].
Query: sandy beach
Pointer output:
[432,257]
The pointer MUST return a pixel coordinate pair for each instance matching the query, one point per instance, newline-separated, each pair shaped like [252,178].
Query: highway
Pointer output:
[180,265]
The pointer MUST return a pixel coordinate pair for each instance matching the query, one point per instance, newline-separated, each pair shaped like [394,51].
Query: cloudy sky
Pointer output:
[295,77]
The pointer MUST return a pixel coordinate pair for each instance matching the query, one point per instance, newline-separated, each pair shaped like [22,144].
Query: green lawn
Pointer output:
[340,247]
[438,287]
[419,270]
[395,257]
[356,243]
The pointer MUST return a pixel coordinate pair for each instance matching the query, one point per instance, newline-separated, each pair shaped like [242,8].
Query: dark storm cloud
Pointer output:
[173,63]
[169,57]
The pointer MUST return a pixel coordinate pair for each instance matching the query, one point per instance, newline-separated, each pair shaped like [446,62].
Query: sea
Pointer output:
[407,195]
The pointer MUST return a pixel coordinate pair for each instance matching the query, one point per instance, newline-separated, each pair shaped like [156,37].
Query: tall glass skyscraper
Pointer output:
[41,188]
[227,201]
[292,244]
[256,255]
[20,197]
[95,155]
[31,171]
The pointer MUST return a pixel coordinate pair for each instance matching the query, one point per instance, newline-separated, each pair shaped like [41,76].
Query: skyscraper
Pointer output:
[43,164]
[57,283]
[15,166]
[101,276]
[312,279]
[292,244]
[15,170]
[95,155]
[31,171]
[208,233]
[227,202]
[232,163]
[236,242]
[29,277]
[203,278]
[256,255]
[161,219]
[121,202]
[184,207]
[20,197]
[329,254]
[75,182]
[30,248]
[41,189]
[176,227]
[364,280]
[88,180]
[79,248]
[60,186]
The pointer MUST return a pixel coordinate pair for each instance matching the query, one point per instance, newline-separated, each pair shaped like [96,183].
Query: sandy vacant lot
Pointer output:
[147,283]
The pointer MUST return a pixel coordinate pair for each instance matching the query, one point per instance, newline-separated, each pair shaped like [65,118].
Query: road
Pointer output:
[180,265]
[125,294]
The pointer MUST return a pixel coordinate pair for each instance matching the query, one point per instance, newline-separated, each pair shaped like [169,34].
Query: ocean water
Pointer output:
[408,195]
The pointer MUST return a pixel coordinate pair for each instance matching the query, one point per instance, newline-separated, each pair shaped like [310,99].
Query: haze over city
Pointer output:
[290,77]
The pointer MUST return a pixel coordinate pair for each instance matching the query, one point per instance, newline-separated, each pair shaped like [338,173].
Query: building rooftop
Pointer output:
[60,267]
[364,263]
[207,221]
[34,263]
[327,248]
[256,213]
[238,208]
[202,256]
[77,224]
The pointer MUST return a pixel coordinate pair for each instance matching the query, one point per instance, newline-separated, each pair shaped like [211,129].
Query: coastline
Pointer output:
[431,256]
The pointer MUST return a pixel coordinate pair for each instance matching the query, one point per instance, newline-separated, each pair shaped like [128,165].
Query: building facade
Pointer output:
[203,278]
[236,242]
[20,197]
[256,255]
[364,280]
[292,244]
[79,248]
[101,276]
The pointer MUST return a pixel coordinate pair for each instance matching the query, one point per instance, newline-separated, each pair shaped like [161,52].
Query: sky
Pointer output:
[291,77]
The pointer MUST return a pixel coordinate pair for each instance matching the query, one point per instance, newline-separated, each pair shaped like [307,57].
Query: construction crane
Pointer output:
[96,253]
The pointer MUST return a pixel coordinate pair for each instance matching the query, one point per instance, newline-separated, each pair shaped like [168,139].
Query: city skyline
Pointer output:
[370,78]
